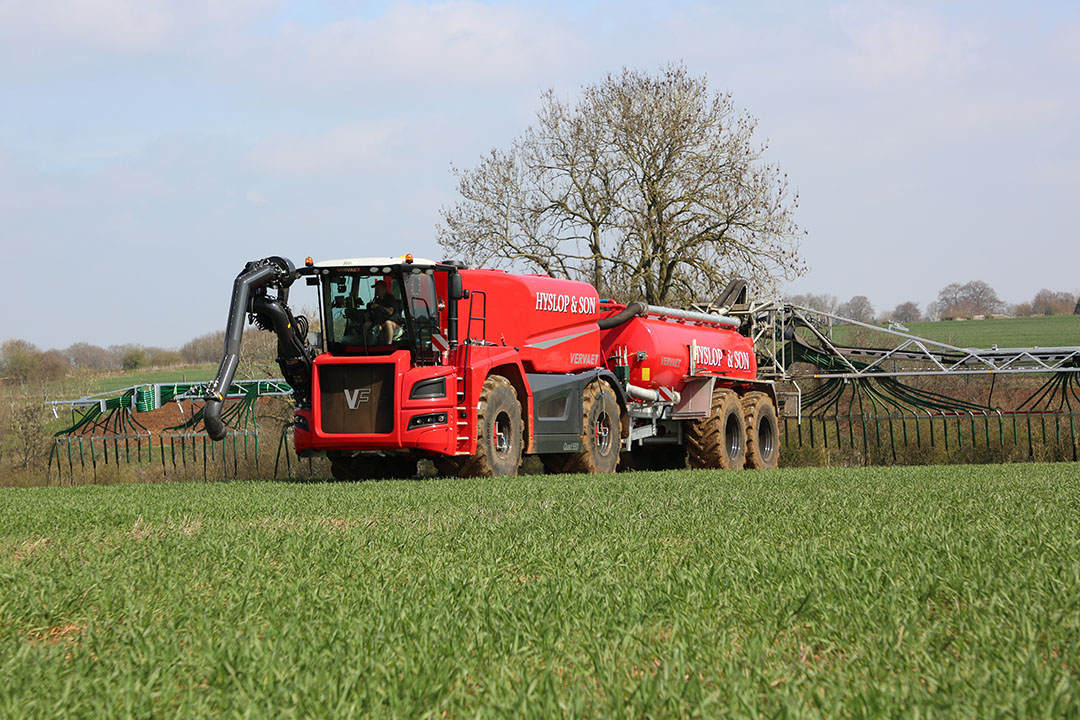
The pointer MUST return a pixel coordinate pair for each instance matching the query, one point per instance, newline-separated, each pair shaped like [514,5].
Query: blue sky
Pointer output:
[149,148]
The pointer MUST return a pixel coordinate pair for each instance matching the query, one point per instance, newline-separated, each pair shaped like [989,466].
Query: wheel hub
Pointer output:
[602,433]
[732,437]
[766,438]
[502,434]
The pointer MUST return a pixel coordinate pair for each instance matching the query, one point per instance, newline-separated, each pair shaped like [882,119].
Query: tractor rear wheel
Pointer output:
[601,434]
[372,467]
[718,441]
[499,431]
[762,431]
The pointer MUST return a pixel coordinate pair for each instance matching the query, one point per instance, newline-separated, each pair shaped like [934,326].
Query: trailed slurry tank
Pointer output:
[663,351]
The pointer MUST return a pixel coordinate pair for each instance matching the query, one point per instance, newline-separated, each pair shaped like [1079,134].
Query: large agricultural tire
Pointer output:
[718,441]
[372,467]
[499,432]
[762,431]
[601,435]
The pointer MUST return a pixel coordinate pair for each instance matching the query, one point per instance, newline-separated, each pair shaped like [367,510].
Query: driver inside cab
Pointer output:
[382,316]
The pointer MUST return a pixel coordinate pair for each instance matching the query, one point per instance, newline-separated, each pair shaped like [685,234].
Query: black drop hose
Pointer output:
[632,310]
[249,279]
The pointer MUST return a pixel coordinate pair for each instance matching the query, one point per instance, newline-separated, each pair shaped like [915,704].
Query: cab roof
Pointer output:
[375,264]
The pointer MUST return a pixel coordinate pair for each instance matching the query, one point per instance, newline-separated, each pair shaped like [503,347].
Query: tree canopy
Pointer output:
[648,187]
[972,298]
[907,312]
[857,308]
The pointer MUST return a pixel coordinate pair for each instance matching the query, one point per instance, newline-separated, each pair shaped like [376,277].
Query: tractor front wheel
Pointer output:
[499,430]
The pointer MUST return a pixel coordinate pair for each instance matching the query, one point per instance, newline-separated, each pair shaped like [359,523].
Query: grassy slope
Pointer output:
[187,373]
[1003,332]
[815,593]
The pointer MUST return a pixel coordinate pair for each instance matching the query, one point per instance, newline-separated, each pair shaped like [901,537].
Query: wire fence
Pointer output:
[932,437]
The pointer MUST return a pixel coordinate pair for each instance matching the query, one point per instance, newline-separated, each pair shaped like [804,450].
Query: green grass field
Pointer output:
[187,373]
[797,593]
[1003,332]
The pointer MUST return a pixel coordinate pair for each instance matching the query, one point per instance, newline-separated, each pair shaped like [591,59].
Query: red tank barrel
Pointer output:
[663,351]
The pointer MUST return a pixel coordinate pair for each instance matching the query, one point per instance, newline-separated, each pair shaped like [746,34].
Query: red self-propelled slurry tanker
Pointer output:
[475,369]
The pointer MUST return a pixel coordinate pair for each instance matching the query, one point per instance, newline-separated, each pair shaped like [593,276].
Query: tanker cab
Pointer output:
[379,308]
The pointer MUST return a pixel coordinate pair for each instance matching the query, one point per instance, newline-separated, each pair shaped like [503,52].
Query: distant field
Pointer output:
[187,373]
[1003,332]
[948,592]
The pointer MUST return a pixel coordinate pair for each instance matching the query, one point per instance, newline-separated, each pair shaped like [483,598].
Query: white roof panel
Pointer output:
[374,262]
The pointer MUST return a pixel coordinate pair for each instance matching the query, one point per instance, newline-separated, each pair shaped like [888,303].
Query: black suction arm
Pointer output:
[249,295]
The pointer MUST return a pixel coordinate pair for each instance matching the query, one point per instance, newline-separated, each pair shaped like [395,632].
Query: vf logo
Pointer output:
[353,398]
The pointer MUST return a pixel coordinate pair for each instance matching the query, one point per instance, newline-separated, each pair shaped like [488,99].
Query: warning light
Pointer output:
[408,258]
[308,261]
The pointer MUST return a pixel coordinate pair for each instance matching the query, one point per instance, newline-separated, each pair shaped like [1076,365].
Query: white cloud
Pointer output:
[1065,42]
[889,43]
[123,26]
[452,43]
[343,149]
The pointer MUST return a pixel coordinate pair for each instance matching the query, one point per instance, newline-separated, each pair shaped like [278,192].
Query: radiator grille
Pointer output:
[357,399]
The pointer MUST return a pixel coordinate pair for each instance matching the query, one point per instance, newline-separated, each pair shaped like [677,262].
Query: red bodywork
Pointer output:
[515,324]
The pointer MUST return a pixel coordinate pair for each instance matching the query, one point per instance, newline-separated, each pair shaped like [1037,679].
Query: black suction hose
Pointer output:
[250,278]
[632,310]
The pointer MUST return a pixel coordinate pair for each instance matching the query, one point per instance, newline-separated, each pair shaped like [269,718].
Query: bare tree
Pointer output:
[18,360]
[648,187]
[90,357]
[824,302]
[205,348]
[972,298]
[1048,302]
[907,312]
[857,308]
[26,430]
[23,362]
